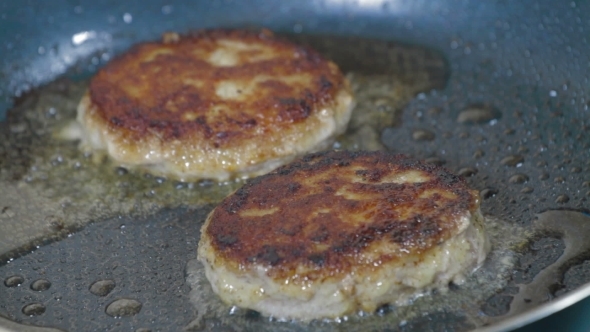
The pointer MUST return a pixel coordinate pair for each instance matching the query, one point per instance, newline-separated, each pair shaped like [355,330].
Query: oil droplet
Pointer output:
[33,309]
[102,287]
[512,160]
[561,199]
[467,171]
[559,179]
[435,161]
[478,114]
[384,310]
[586,184]
[488,193]
[422,135]
[434,111]
[509,131]
[575,170]
[478,154]
[13,281]
[121,171]
[252,315]
[518,178]
[544,176]
[123,307]
[527,190]
[40,285]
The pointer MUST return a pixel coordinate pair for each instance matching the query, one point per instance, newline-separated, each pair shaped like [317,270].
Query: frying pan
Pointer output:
[509,112]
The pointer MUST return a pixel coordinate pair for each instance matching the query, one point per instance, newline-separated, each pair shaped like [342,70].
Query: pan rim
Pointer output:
[539,312]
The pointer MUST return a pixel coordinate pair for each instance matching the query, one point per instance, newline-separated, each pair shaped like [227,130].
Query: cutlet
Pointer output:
[333,233]
[215,104]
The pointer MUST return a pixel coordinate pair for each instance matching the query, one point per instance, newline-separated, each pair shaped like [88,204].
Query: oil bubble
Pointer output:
[478,114]
[512,160]
[467,171]
[121,171]
[434,111]
[435,161]
[422,135]
[33,309]
[123,307]
[40,285]
[478,154]
[488,193]
[102,287]
[518,178]
[562,199]
[14,281]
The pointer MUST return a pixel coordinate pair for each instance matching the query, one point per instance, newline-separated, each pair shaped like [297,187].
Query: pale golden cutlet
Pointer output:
[338,232]
[216,104]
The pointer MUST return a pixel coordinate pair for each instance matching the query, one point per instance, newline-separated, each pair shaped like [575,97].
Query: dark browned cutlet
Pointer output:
[168,88]
[326,209]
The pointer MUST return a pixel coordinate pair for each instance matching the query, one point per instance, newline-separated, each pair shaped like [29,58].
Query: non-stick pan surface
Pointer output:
[506,106]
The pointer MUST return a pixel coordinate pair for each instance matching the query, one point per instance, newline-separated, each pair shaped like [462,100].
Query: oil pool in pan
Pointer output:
[136,257]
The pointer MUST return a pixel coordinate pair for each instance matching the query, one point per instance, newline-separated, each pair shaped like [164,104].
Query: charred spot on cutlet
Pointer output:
[325,83]
[372,175]
[201,121]
[269,255]
[295,110]
[293,187]
[116,121]
[235,205]
[317,259]
[226,240]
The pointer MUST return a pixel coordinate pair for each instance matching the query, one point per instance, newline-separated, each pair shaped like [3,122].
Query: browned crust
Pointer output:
[287,238]
[163,99]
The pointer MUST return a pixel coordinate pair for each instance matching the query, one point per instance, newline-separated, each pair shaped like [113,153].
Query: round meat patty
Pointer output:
[337,232]
[216,104]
